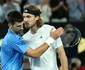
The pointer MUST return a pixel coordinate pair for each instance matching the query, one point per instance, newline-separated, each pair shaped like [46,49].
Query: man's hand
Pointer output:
[55,33]
[61,3]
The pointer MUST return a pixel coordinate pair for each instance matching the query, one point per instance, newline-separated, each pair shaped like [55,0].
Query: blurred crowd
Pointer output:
[75,64]
[52,10]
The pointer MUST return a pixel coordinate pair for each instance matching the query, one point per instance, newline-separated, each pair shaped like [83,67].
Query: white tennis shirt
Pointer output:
[47,61]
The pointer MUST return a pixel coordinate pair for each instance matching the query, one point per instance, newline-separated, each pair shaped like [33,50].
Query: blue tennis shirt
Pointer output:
[12,51]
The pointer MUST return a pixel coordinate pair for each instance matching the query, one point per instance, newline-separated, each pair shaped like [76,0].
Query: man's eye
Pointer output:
[18,26]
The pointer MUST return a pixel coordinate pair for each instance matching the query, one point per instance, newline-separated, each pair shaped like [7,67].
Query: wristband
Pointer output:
[49,41]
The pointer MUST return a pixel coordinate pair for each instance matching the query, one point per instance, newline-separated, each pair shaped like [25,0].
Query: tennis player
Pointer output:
[13,48]
[36,36]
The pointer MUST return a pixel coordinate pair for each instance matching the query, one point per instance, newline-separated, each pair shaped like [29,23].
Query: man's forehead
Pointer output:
[27,14]
[19,23]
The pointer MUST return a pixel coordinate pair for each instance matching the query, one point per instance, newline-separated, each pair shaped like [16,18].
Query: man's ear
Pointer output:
[9,25]
[37,17]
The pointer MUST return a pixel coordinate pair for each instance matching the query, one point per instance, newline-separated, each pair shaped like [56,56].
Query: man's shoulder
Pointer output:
[47,26]
[45,29]
[11,37]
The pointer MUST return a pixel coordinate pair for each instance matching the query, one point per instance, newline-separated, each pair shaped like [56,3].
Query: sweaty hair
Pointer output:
[14,16]
[34,10]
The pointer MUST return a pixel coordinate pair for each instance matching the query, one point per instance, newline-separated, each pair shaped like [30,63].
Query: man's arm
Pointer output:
[63,58]
[38,51]
[41,49]
[57,7]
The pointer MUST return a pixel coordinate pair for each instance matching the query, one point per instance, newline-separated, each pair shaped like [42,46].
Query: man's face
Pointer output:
[29,20]
[17,28]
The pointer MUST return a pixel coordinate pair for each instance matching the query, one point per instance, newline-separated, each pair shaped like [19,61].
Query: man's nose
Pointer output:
[25,19]
[22,27]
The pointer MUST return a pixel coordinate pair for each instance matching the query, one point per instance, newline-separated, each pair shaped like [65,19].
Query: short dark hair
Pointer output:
[14,16]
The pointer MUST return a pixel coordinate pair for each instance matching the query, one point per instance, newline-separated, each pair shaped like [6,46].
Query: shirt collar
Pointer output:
[9,31]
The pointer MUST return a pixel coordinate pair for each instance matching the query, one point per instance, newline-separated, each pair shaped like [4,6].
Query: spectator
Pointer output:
[46,10]
[1,14]
[21,3]
[76,8]
[76,63]
[59,9]
[73,66]
[18,1]
[84,3]
[35,2]
[9,6]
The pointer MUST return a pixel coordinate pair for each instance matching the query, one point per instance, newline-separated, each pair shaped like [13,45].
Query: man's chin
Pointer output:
[26,26]
[20,33]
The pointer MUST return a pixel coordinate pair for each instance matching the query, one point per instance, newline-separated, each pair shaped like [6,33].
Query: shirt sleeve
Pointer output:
[58,43]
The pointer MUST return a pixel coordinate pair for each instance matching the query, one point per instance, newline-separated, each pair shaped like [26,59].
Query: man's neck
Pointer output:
[34,29]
